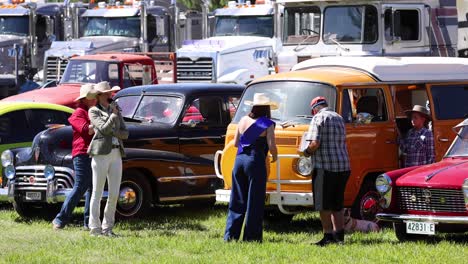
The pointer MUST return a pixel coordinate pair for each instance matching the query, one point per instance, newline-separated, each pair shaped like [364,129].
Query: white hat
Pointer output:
[260,99]
[104,87]
[86,91]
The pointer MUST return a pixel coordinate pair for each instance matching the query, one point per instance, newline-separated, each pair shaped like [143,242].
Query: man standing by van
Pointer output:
[328,149]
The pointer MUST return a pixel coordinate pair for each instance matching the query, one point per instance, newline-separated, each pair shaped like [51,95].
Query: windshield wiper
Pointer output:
[302,42]
[339,44]
[293,122]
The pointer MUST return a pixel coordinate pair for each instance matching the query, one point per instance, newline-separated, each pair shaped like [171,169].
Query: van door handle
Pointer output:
[443,139]
[389,141]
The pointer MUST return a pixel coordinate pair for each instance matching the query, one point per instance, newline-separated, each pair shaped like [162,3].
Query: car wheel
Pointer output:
[400,232]
[26,210]
[366,206]
[135,197]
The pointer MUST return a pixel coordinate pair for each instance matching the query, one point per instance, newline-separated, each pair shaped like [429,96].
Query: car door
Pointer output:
[448,105]
[371,146]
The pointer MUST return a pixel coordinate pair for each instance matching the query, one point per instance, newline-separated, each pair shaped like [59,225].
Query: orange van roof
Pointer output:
[330,75]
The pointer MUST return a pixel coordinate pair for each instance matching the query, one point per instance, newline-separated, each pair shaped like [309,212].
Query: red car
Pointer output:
[426,200]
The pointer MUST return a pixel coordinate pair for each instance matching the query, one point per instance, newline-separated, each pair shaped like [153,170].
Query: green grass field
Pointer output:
[194,235]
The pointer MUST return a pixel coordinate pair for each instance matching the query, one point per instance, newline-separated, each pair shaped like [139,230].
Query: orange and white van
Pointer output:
[379,87]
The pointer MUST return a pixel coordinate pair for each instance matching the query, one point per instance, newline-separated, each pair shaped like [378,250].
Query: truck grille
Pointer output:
[431,200]
[199,70]
[55,68]
[63,176]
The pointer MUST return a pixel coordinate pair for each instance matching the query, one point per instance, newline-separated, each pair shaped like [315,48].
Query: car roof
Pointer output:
[117,57]
[183,89]
[13,106]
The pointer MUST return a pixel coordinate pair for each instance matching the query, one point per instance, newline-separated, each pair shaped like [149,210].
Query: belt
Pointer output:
[115,146]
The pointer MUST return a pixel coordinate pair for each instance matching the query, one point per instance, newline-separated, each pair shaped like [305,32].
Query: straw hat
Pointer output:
[104,87]
[86,91]
[421,110]
[260,99]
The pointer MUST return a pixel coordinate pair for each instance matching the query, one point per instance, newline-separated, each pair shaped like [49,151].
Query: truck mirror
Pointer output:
[147,78]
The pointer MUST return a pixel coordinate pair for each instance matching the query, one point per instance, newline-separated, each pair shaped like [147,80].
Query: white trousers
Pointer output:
[105,167]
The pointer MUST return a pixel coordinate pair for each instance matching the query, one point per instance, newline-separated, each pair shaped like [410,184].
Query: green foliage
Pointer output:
[196,4]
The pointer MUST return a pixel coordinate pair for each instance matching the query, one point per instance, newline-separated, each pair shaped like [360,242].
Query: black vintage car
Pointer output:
[175,131]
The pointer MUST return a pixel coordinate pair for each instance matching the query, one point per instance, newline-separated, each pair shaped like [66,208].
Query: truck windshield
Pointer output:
[11,25]
[261,26]
[301,25]
[113,26]
[81,71]
[293,98]
[460,146]
[350,24]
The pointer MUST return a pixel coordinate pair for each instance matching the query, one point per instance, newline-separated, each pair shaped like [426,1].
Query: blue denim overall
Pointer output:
[249,178]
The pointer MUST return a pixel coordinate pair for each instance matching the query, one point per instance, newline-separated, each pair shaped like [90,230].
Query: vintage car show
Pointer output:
[261,131]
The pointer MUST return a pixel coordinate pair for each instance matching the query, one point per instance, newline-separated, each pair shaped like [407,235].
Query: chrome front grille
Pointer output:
[55,67]
[199,70]
[431,200]
[63,176]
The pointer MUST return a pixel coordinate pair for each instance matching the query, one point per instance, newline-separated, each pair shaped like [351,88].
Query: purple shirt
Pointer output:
[418,147]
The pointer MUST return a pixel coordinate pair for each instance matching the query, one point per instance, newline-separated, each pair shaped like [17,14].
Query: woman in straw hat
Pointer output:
[418,145]
[107,151]
[82,134]
[255,136]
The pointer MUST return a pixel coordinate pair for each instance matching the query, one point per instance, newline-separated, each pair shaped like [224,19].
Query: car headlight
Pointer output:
[7,158]
[304,166]
[49,172]
[383,184]
[465,192]
[10,172]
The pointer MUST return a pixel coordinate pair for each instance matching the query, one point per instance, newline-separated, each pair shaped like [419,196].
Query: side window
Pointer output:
[133,75]
[14,128]
[405,98]
[39,119]
[403,24]
[113,75]
[206,111]
[360,101]
[450,101]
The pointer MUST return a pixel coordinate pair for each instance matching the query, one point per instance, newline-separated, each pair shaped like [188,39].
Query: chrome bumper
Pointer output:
[274,198]
[423,218]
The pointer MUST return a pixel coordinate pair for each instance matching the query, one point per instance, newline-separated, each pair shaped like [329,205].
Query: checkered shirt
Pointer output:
[328,128]
[418,147]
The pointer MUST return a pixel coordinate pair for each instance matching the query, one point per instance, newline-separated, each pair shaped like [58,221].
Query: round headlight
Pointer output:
[10,172]
[49,172]
[304,166]
[383,183]
[7,158]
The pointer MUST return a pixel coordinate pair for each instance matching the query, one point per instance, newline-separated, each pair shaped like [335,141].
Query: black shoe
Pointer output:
[339,237]
[326,240]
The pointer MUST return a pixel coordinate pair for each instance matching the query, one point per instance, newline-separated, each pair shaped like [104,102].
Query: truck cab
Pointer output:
[316,28]
[241,48]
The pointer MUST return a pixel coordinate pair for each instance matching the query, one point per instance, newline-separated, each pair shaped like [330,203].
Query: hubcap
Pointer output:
[370,206]
[127,198]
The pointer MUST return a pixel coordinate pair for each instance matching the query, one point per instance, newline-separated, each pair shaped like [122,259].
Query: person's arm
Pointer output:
[122,132]
[270,134]
[314,136]
[79,122]
[103,126]
[430,147]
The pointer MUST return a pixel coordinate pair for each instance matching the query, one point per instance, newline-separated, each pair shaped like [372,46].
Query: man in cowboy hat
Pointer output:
[418,145]
[82,135]
[328,149]
[106,150]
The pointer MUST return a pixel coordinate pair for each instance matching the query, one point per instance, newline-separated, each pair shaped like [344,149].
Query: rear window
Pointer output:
[450,101]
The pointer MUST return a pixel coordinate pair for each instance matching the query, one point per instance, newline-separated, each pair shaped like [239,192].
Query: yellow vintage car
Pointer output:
[378,88]
[19,124]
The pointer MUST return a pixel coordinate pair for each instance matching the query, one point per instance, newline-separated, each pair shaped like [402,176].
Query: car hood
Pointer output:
[64,94]
[449,173]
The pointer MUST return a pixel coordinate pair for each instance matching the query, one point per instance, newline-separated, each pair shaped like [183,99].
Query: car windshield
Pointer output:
[11,25]
[460,146]
[152,108]
[261,26]
[350,24]
[301,25]
[82,71]
[293,99]
[114,26]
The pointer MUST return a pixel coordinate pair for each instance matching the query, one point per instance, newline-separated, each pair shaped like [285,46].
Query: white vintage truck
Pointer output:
[317,28]
[242,47]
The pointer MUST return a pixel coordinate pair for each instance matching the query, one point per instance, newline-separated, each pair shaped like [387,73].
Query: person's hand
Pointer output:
[115,110]
[274,158]
[90,129]
[306,153]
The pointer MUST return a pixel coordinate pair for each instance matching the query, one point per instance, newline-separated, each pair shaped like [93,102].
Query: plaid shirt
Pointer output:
[418,147]
[328,128]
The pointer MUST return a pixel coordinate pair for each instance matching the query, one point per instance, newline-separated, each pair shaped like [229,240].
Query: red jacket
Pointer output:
[79,121]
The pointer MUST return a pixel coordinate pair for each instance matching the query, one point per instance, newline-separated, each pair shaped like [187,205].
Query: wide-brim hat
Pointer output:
[87,91]
[260,99]
[421,110]
[104,87]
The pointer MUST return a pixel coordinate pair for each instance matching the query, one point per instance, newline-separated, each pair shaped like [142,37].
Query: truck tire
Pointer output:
[135,197]
[366,206]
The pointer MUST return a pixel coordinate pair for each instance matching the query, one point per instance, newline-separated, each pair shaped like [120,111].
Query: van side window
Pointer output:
[450,101]
[404,25]
[358,101]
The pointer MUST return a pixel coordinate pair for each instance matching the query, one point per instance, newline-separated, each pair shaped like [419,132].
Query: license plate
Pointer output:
[33,196]
[422,228]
